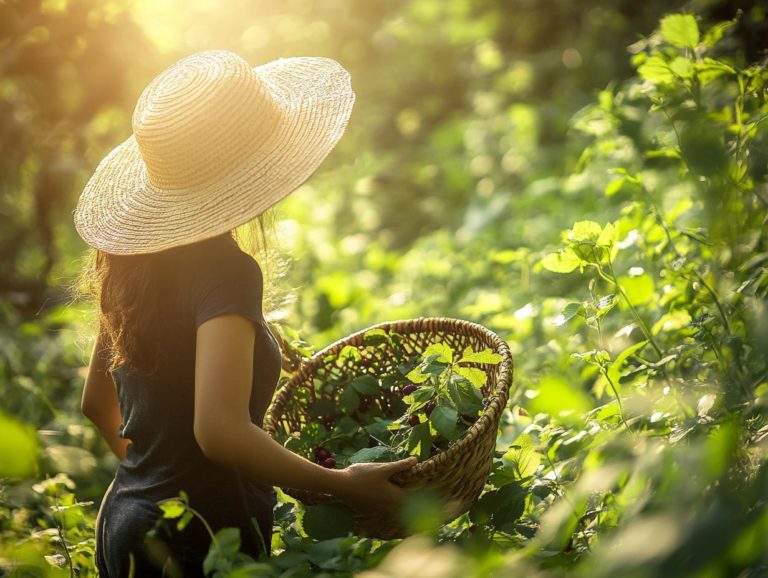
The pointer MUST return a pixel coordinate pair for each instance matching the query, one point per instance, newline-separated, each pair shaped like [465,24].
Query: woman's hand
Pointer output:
[366,486]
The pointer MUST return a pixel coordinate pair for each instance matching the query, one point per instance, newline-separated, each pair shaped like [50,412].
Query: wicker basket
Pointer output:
[457,474]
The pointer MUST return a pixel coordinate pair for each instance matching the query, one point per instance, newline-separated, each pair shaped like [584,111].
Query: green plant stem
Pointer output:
[715,298]
[618,397]
[643,327]
[60,532]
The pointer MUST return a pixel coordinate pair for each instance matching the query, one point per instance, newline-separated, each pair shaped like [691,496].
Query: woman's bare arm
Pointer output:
[222,425]
[99,402]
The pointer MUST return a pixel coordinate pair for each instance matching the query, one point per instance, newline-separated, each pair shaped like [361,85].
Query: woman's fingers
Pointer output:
[400,465]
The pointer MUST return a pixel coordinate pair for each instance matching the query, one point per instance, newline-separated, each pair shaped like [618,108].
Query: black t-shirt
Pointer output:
[202,280]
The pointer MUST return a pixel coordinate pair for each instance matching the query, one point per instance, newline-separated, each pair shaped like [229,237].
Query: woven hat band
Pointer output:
[197,124]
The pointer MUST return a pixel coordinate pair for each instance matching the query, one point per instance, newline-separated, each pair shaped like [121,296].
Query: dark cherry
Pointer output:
[329,462]
[321,454]
[414,420]
[408,388]
[429,407]
[372,442]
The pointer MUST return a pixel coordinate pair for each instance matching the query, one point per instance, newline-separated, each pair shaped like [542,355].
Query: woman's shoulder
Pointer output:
[219,257]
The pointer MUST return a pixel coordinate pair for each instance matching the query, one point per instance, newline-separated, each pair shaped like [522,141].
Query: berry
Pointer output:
[408,388]
[429,407]
[321,454]
[414,420]
[328,421]
[329,463]
[372,442]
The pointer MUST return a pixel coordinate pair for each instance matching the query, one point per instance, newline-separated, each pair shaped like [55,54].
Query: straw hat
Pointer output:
[214,144]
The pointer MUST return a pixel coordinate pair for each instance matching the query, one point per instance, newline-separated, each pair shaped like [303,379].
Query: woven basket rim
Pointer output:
[497,397]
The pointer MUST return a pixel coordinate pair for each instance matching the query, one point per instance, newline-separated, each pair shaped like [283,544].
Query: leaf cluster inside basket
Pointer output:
[373,410]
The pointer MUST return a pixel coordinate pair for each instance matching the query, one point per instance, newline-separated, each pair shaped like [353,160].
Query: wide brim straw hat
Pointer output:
[215,143]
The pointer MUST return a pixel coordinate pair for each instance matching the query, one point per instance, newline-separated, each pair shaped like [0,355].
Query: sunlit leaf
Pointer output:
[485,356]
[443,351]
[656,70]
[680,30]
[477,377]
[18,448]
[639,289]
[564,261]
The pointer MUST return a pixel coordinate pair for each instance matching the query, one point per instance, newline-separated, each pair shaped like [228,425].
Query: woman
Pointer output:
[184,363]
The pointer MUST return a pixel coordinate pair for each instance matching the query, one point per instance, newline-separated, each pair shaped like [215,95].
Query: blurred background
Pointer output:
[482,131]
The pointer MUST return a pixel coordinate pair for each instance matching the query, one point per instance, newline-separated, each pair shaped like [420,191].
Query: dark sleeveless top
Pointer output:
[201,281]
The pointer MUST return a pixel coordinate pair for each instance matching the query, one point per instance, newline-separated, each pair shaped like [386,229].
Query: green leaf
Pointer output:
[420,440]
[222,550]
[607,236]
[713,35]
[423,393]
[614,186]
[501,508]
[184,520]
[680,30]
[378,428]
[585,231]
[614,371]
[639,289]
[564,261]
[477,377]
[331,554]
[172,509]
[375,337]
[348,353]
[485,356]
[523,456]
[443,351]
[348,399]
[326,521]
[656,70]
[682,66]
[467,398]
[366,384]
[443,419]
[560,398]
[368,454]
[416,376]
[571,310]
[18,448]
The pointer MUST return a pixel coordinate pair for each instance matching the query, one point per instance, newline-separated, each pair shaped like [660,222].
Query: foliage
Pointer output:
[624,260]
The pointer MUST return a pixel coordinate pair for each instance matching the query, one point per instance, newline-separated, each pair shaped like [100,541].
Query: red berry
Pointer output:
[372,442]
[414,420]
[429,407]
[329,462]
[408,388]
[321,454]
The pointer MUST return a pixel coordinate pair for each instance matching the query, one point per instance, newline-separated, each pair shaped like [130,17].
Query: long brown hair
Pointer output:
[124,288]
